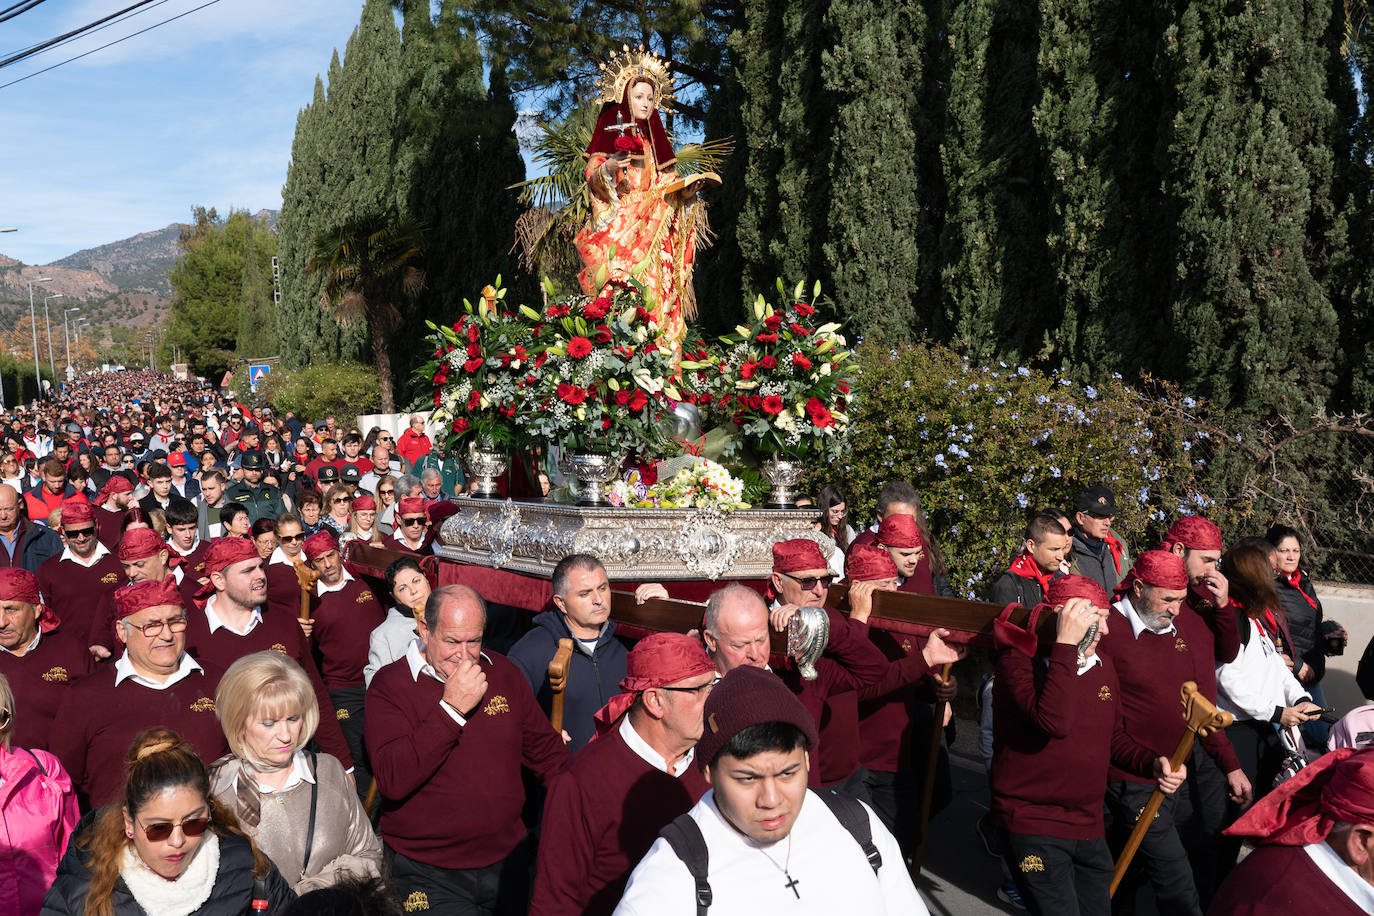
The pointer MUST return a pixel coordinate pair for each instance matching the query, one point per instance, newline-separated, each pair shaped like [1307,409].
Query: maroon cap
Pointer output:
[1193,532]
[77,512]
[1066,587]
[748,696]
[1161,568]
[139,544]
[364,503]
[796,555]
[319,544]
[899,531]
[139,596]
[868,561]
[18,584]
[657,660]
[228,551]
[410,505]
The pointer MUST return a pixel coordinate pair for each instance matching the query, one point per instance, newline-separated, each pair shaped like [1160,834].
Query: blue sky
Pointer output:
[129,139]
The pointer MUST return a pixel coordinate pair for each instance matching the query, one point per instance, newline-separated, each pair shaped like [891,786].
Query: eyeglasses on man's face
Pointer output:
[154,627]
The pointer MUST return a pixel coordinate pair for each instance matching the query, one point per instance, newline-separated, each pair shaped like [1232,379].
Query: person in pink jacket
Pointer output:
[37,816]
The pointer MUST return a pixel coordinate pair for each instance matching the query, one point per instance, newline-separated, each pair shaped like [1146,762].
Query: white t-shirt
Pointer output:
[832,876]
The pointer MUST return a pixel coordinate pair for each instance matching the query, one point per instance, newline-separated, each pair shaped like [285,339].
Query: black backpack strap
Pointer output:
[314,799]
[36,761]
[850,812]
[685,837]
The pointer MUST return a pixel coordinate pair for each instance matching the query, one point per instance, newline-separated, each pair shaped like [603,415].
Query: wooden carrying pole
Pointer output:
[305,578]
[1200,719]
[558,681]
[928,785]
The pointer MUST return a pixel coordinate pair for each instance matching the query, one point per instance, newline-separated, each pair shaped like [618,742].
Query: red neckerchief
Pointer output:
[1115,547]
[1026,568]
[1271,626]
[1294,581]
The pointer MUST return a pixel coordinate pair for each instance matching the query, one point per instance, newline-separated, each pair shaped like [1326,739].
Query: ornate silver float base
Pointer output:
[484,464]
[784,476]
[638,545]
[592,472]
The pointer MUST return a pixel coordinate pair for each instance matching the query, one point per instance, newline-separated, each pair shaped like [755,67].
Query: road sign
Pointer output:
[257,374]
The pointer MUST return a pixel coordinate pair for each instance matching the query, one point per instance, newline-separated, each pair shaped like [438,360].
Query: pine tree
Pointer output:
[257,335]
[1250,169]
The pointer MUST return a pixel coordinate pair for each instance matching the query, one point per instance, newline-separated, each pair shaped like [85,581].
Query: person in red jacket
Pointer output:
[606,809]
[1315,851]
[1057,727]
[413,443]
[51,493]
[449,727]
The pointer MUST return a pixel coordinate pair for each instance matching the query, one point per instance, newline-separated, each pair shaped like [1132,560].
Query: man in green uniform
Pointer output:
[260,499]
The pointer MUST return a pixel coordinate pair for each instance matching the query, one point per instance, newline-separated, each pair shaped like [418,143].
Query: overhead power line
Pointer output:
[107,44]
[15,58]
[100,28]
[23,6]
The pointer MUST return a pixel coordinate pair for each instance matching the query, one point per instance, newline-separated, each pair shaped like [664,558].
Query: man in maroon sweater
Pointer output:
[1155,649]
[38,656]
[606,809]
[230,624]
[1057,727]
[114,497]
[183,537]
[1316,844]
[900,536]
[78,582]
[448,728]
[154,682]
[344,614]
[736,633]
[411,525]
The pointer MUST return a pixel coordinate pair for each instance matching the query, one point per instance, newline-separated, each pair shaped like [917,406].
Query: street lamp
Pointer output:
[66,338]
[33,322]
[9,229]
[47,326]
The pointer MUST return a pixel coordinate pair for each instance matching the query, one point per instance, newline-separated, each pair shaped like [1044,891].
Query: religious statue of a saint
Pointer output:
[645,217]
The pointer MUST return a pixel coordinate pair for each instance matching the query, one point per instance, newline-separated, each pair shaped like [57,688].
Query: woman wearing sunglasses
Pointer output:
[37,816]
[386,503]
[165,847]
[338,507]
[298,806]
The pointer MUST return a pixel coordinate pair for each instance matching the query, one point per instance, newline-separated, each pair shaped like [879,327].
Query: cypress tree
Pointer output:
[1251,325]
[300,212]
[875,235]
[257,335]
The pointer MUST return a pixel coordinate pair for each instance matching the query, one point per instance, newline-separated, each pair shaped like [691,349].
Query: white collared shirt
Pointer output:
[1360,891]
[650,756]
[214,622]
[1137,625]
[300,772]
[101,551]
[415,658]
[33,645]
[322,589]
[279,556]
[171,545]
[124,670]
[1089,663]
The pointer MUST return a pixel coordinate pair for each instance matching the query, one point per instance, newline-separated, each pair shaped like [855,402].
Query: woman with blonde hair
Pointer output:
[299,806]
[37,816]
[362,523]
[386,503]
[166,847]
[338,501]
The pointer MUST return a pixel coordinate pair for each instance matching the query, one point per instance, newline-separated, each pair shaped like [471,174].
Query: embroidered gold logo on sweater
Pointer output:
[417,901]
[906,646]
[341,714]
[56,675]
[204,704]
[363,597]
[278,647]
[1032,863]
[109,578]
[1180,645]
[496,705]
[1104,692]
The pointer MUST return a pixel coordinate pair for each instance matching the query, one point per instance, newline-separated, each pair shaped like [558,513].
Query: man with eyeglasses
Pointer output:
[590,838]
[1098,552]
[38,654]
[736,633]
[231,624]
[411,525]
[581,612]
[155,680]
[78,582]
[343,615]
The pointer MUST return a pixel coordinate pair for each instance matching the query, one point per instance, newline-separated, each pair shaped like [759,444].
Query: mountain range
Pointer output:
[124,282]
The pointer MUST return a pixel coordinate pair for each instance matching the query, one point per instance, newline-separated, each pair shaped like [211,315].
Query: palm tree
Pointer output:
[364,262]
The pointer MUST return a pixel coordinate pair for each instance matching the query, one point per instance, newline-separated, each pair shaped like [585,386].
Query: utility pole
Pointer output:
[33,322]
[47,325]
[66,338]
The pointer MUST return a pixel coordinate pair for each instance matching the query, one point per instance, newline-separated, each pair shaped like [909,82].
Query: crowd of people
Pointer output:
[203,711]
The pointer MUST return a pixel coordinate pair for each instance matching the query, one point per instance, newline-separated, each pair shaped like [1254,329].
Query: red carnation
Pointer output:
[624,352]
[843,387]
[798,329]
[519,352]
[818,413]
[474,350]
[755,402]
[557,311]
[801,362]
[704,399]
[597,308]
[803,309]
[747,369]
[772,405]
[603,334]
[769,362]
[766,338]
[438,398]
[579,347]
[473,334]
[622,396]
[605,422]
[642,314]
[461,425]
[772,322]
[571,394]
[508,410]
[541,359]
[472,365]
[638,401]
[474,400]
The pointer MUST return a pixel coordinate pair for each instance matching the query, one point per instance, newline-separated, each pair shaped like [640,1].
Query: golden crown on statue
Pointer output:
[626,65]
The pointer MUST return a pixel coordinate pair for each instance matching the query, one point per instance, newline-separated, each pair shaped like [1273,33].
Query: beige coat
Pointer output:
[344,841]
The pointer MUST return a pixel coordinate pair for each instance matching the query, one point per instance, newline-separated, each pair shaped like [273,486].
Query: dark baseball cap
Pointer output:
[329,474]
[253,461]
[350,474]
[1098,502]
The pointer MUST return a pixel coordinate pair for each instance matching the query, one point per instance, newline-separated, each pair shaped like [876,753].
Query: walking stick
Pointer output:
[928,786]
[558,681]
[374,791]
[1200,719]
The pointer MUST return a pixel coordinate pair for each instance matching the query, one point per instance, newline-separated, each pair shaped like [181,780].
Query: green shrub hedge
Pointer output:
[315,392]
